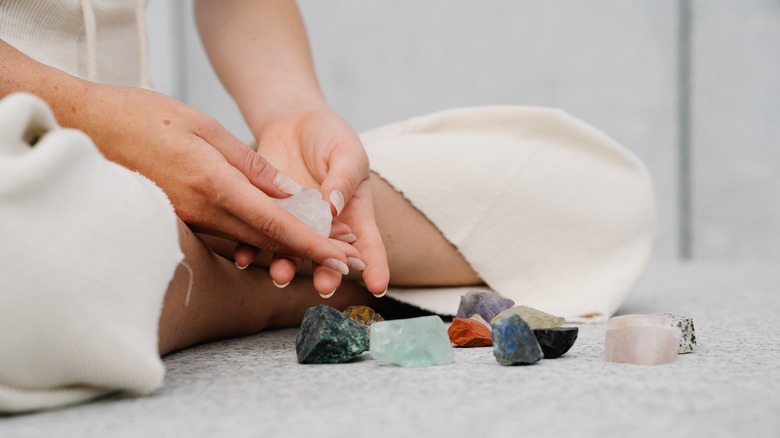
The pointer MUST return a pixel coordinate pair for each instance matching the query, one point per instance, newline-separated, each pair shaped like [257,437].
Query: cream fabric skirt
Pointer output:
[548,210]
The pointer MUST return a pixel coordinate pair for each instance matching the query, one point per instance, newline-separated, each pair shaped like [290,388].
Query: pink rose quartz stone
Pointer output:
[641,339]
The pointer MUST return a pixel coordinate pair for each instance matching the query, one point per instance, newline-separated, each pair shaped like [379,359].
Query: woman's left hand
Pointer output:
[320,149]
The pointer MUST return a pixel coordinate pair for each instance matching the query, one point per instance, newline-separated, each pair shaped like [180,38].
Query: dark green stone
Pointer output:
[555,342]
[329,336]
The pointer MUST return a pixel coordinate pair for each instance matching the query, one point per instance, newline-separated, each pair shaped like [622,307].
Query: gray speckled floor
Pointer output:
[254,386]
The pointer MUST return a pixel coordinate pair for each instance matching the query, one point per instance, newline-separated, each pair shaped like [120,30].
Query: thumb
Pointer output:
[348,167]
[259,171]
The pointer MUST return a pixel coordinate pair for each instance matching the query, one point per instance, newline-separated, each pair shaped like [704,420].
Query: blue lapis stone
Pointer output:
[514,342]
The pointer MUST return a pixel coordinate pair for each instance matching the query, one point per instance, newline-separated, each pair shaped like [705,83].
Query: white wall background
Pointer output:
[691,86]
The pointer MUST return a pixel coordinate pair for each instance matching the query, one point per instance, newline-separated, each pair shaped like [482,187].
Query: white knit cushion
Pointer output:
[549,211]
[87,251]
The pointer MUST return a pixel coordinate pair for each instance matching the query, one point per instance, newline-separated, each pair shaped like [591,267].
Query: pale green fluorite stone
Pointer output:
[414,342]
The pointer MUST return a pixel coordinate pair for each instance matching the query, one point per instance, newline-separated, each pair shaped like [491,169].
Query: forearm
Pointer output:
[261,53]
[65,94]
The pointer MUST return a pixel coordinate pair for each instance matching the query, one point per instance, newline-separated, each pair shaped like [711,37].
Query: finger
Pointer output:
[276,230]
[341,231]
[347,169]
[282,269]
[360,215]
[326,281]
[354,258]
[244,255]
[261,173]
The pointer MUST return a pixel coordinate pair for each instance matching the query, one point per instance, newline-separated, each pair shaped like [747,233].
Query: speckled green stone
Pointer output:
[329,336]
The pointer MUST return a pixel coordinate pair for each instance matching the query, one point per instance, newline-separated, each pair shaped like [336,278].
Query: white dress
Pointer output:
[87,247]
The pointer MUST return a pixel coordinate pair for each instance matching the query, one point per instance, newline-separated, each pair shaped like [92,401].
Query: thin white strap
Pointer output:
[143,48]
[189,284]
[90,30]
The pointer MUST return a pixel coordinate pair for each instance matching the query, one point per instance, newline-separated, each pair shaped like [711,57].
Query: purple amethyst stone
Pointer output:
[485,304]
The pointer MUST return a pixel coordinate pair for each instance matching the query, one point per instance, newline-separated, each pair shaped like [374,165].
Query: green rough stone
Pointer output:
[329,336]
[414,342]
[536,319]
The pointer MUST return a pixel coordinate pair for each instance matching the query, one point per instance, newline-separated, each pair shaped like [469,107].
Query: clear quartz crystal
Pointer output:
[308,206]
[641,339]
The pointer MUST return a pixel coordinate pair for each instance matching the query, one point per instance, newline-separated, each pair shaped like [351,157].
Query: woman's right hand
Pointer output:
[216,183]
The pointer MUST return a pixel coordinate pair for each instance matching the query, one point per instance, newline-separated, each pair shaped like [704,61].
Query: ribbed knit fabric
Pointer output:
[549,211]
[53,32]
[87,249]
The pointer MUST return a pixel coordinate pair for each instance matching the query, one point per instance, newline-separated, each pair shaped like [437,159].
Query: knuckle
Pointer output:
[203,185]
[270,226]
[209,124]
[256,166]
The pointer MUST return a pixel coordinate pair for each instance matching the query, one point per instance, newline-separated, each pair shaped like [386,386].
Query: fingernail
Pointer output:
[280,286]
[286,184]
[356,264]
[382,294]
[349,238]
[337,265]
[328,295]
[241,267]
[337,198]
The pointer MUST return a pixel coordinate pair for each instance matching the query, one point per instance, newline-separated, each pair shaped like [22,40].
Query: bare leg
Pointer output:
[226,301]
[417,252]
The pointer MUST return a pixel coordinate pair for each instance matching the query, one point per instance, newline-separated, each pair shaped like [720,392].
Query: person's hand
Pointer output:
[319,149]
[216,183]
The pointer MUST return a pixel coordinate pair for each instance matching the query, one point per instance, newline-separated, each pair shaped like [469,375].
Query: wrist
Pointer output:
[291,108]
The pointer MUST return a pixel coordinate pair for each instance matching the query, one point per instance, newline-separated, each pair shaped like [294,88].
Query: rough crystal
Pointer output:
[308,206]
[481,320]
[641,339]
[485,304]
[555,342]
[469,333]
[536,319]
[363,315]
[414,342]
[514,342]
[685,324]
[329,336]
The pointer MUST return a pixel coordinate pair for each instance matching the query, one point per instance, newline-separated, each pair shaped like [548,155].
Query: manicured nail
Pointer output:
[337,198]
[337,265]
[356,264]
[280,286]
[349,238]
[286,184]
[382,294]
[328,295]
[241,267]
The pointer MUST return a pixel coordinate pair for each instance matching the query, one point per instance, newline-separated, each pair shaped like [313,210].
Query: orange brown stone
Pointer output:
[469,333]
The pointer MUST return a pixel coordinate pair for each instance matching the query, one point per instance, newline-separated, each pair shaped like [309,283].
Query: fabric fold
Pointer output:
[548,210]
[88,249]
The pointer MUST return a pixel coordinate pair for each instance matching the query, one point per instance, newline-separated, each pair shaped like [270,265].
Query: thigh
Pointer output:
[417,252]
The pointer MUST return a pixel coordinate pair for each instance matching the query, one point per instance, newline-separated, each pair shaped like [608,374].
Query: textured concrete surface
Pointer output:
[254,387]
